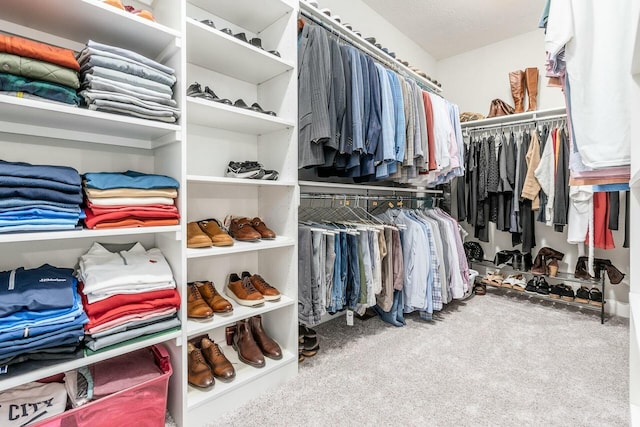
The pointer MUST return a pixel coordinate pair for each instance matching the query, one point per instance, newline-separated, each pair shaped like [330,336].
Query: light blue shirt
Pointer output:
[388,123]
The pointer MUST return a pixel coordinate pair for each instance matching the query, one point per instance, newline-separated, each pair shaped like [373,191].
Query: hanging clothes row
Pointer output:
[361,120]
[397,262]
[516,178]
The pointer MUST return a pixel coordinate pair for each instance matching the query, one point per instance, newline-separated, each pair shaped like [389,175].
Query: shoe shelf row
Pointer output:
[489,266]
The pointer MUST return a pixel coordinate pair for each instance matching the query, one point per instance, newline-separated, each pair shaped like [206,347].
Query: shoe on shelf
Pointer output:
[532,285]
[256,107]
[543,287]
[212,228]
[311,352]
[305,331]
[553,267]
[493,279]
[199,374]
[196,238]
[582,295]
[480,289]
[246,170]
[212,94]
[241,36]
[269,293]
[268,345]
[197,308]
[567,293]
[265,232]
[514,281]
[556,291]
[243,292]
[595,297]
[242,230]
[210,295]
[270,175]
[208,22]
[195,91]
[246,346]
[220,365]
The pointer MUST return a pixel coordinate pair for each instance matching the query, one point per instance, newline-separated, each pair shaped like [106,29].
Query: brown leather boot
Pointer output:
[531,75]
[197,308]
[245,345]
[269,347]
[199,372]
[222,368]
[216,301]
[516,80]
[582,270]
[539,265]
[553,267]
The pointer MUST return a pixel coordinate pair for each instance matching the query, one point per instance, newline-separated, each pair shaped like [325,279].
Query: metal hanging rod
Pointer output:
[322,196]
[328,186]
[532,121]
[354,40]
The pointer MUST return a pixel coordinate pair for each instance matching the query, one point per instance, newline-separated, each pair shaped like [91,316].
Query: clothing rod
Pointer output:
[516,123]
[338,197]
[359,187]
[364,46]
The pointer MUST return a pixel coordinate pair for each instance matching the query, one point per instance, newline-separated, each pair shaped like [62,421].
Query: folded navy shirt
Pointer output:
[128,179]
[61,174]
[37,193]
[17,181]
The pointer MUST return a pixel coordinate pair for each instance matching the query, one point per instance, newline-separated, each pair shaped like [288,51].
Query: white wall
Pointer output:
[474,78]
[371,24]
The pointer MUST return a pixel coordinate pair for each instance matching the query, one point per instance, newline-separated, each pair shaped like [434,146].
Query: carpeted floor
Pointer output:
[495,360]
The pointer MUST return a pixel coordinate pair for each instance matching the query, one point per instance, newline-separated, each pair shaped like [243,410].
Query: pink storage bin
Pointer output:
[141,406]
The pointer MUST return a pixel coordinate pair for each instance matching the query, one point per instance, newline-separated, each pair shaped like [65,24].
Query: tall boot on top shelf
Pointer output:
[517,82]
[531,76]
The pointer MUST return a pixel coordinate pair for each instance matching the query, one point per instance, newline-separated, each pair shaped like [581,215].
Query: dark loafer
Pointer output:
[195,90]
[215,97]
[227,31]
[208,22]
[275,52]
[256,107]
[371,40]
[241,36]
[241,104]
[378,45]
[256,42]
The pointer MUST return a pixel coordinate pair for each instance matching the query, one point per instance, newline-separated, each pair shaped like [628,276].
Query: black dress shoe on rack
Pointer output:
[256,42]
[209,23]
[215,97]
[256,107]
[195,91]
[241,36]
[227,31]
[241,104]
[371,40]
[275,52]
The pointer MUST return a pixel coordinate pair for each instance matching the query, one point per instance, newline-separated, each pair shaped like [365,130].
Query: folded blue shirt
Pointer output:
[51,208]
[35,213]
[30,318]
[38,227]
[16,181]
[63,174]
[34,339]
[72,336]
[37,193]
[13,202]
[38,221]
[128,179]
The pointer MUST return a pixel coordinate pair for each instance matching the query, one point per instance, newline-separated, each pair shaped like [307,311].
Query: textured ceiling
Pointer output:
[448,27]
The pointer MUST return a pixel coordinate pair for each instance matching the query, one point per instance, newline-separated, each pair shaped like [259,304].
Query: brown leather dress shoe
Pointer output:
[200,374]
[242,230]
[218,236]
[197,308]
[269,347]
[243,292]
[211,296]
[245,345]
[221,367]
[196,237]
[269,293]
[261,228]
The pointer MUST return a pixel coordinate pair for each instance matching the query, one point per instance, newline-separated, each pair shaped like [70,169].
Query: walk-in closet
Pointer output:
[319,212]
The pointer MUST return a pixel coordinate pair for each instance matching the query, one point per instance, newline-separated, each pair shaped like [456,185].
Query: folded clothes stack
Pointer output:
[121,81]
[39,197]
[41,316]
[37,70]
[130,199]
[126,294]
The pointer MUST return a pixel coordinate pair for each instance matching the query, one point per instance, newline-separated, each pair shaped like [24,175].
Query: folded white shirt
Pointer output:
[131,201]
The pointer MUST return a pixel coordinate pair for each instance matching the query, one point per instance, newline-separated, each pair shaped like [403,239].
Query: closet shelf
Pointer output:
[203,179]
[217,115]
[241,247]
[244,375]
[239,312]
[520,117]
[546,298]
[634,305]
[561,276]
[635,180]
[23,373]
[230,55]
[57,121]
[86,234]
[81,20]
[252,15]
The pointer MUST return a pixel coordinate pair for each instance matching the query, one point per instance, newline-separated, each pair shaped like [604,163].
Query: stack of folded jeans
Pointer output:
[41,315]
[37,70]
[127,292]
[121,81]
[39,197]
[130,199]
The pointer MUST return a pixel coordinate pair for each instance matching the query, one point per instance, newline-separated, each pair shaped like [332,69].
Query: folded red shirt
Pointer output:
[112,218]
[43,52]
